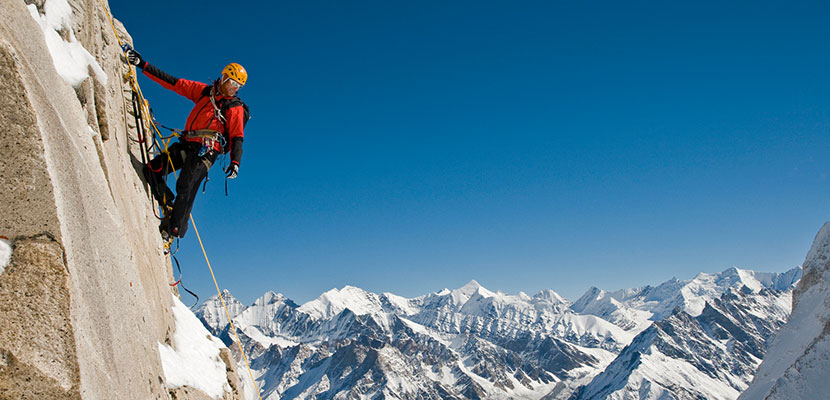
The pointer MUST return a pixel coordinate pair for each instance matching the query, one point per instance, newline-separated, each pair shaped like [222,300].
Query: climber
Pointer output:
[215,126]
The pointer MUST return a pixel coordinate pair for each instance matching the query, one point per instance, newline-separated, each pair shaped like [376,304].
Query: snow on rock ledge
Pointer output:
[5,254]
[71,59]
[194,358]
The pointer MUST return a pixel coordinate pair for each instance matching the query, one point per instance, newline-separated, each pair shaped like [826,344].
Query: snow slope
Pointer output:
[195,360]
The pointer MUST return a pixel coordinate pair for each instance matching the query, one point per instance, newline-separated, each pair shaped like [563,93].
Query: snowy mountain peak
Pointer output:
[820,248]
[484,294]
[705,287]
[470,288]
[550,296]
[212,311]
[788,279]
[463,294]
[591,295]
[269,298]
[214,300]
[734,278]
[335,301]
[594,291]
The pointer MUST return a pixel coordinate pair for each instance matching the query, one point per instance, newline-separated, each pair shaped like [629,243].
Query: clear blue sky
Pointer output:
[411,146]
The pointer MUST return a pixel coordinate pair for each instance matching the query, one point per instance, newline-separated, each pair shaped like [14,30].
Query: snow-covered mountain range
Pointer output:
[472,343]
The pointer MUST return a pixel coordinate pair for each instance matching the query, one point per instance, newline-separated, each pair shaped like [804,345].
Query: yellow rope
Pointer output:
[145,108]
[238,342]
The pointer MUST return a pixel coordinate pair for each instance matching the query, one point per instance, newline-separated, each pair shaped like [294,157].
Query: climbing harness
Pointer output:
[211,140]
[220,108]
[139,102]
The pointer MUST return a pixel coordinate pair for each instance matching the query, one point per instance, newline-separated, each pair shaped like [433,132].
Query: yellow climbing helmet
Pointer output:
[236,72]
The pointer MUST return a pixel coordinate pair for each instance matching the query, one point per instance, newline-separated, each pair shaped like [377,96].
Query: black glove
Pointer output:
[232,171]
[134,57]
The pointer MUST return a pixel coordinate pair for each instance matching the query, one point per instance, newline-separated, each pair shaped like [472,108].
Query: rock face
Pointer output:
[797,365]
[84,300]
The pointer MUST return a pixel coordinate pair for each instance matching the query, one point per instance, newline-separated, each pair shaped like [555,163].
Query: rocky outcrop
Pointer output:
[38,345]
[85,299]
[798,361]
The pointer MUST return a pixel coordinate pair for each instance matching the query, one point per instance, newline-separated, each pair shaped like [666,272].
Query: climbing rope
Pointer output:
[227,314]
[145,108]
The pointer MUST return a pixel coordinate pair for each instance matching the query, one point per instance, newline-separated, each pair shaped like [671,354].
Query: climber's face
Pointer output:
[229,86]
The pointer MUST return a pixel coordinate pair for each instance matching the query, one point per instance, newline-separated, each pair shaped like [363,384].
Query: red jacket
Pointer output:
[202,116]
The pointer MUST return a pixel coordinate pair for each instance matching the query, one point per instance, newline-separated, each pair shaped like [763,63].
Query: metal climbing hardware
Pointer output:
[210,140]
[167,245]
[125,47]
[207,144]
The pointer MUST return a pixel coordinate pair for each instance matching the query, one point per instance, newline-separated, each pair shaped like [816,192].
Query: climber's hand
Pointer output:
[134,57]
[232,171]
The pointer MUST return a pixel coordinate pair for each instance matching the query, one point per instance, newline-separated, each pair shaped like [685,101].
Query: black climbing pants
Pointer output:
[182,156]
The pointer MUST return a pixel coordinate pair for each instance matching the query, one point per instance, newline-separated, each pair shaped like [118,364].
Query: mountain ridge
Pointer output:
[472,342]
